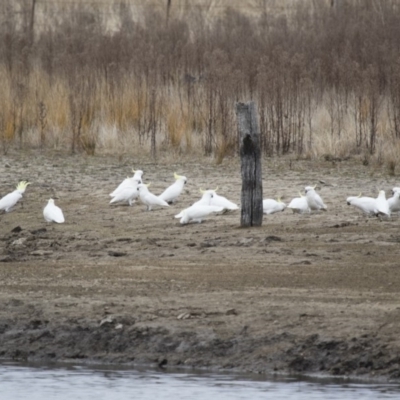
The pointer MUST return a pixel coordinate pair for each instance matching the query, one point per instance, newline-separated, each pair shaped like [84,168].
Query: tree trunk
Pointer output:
[250,155]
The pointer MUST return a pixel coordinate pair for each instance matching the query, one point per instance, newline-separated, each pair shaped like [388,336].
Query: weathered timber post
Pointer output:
[250,156]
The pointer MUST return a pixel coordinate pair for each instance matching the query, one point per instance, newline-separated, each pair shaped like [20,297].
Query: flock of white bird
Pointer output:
[51,212]
[132,189]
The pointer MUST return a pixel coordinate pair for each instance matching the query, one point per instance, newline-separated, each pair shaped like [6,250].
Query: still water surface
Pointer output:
[102,383]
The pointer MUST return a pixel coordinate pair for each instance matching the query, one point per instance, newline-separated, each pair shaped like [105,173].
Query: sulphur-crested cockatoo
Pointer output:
[52,213]
[135,179]
[314,200]
[150,199]
[11,199]
[210,198]
[128,192]
[171,193]
[394,201]
[367,205]
[382,204]
[299,205]
[271,206]
[197,212]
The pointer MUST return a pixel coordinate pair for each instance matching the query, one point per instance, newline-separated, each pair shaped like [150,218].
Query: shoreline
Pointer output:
[155,332]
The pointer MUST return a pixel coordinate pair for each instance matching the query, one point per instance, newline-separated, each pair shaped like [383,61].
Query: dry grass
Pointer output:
[113,78]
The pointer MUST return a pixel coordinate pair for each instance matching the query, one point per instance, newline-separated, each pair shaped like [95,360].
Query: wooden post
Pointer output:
[250,155]
[32,22]
[168,10]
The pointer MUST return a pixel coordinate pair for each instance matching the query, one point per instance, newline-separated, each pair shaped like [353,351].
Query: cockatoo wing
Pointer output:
[320,203]
[198,212]
[271,206]
[365,204]
[221,201]
[314,200]
[127,193]
[126,183]
[10,200]
[152,199]
[299,205]
[382,204]
[172,192]
[52,213]
[394,202]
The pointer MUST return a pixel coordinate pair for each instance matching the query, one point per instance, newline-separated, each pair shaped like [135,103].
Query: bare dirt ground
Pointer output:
[312,293]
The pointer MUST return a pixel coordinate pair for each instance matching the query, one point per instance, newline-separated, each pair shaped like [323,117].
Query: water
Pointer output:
[82,382]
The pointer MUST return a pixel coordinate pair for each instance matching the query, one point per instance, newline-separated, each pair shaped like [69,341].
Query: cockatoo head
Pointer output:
[180,178]
[308,189]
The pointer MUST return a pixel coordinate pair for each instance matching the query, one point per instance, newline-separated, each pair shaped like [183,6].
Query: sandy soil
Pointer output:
[304,293]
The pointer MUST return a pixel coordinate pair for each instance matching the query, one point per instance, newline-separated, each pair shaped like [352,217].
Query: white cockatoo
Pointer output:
[171,193]
[52,213]
[197,212]
[129,192]
[150,199]
[211,198]
[11,199]
[299,205]
[136,179]
[367,205]
[314,200]
[382,204]
[271,206]
[394,201]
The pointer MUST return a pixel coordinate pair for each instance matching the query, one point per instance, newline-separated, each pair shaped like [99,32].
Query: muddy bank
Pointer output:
[192,339]
[304,293]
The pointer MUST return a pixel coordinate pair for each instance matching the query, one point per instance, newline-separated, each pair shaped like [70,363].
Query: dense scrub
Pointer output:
[122,76]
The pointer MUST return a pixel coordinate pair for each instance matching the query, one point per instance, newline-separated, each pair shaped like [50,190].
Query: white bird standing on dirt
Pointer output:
[367,205]
[11,199]
[171,193]
[394,201]
[314,200]
[197,212]
[299,205]
[271,206]
[52,213]
[207,199]
[150,199]
[135,179]
[127,193]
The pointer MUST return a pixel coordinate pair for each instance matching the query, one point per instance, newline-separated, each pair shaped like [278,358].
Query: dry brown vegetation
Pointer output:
[163,76]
